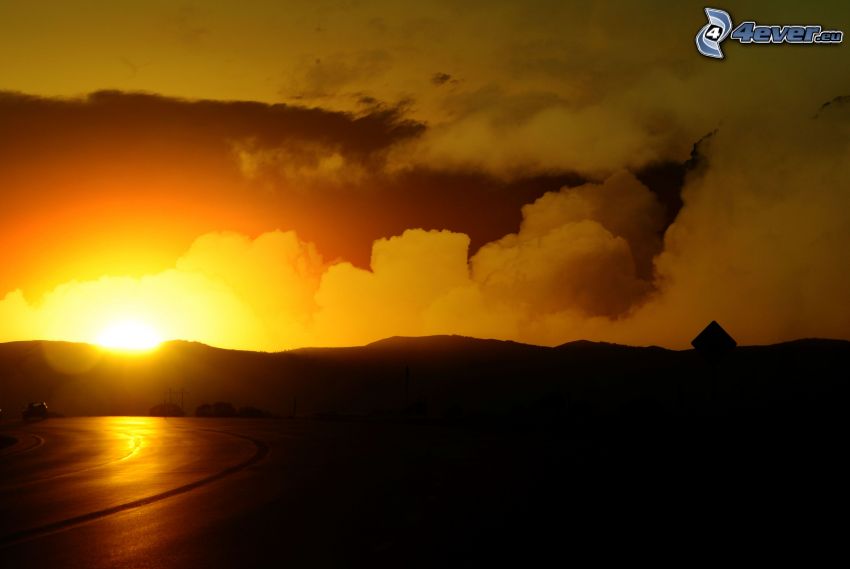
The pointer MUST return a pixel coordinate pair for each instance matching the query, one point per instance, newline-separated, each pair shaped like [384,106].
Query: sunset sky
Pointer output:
[268,175]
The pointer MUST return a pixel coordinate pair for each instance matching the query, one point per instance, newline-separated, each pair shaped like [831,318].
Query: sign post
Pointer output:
[713,343]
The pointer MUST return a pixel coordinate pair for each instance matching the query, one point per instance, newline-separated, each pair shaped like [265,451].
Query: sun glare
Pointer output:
[130,335]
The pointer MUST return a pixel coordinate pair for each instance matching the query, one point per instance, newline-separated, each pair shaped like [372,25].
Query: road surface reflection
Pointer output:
[92,466]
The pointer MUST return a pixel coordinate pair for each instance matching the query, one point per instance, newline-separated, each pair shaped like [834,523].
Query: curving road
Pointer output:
[152,492]
[62,473]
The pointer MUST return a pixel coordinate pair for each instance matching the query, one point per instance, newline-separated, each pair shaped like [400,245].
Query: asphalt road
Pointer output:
[167,493]
[153,492]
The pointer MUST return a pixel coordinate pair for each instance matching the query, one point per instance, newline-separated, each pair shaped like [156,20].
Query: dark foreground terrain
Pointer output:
[154,492]
[482,453]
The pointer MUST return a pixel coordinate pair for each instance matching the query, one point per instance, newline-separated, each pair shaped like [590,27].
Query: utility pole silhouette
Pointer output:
[181,393]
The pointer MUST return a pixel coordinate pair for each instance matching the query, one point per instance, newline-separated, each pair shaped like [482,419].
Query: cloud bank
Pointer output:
[760,245]
[571,170]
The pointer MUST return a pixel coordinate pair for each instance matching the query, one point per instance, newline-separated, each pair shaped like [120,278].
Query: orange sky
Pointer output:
[273,175]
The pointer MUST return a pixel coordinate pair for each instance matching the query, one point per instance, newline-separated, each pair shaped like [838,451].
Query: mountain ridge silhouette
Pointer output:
[445,375]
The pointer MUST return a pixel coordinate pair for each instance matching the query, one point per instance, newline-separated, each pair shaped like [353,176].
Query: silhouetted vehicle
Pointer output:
[36,411]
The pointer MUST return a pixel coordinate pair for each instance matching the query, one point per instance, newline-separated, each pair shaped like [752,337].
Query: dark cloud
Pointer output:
[666,180]
[85,176]
[440,78]
[367,101]
[316,171]
[126,117]
[840,102]
[736,230]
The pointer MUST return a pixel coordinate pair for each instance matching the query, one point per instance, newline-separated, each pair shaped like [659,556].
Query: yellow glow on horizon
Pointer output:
[129,335]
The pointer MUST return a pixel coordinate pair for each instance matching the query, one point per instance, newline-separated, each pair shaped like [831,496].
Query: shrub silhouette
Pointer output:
[223,409]
[226,409]
[251,411]
[204,410]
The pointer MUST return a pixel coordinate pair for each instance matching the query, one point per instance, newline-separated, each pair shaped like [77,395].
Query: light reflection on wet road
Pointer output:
[90,465]
[151,492]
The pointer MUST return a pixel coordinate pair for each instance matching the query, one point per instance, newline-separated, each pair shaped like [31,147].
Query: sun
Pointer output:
[129,335]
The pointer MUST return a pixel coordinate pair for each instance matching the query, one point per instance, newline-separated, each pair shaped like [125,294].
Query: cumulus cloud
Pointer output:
[227,290]
[83,177]
[275,275]
[549,90]
[577,264]
[576,250]
[761,243]
[407,274]
[570,255]
[178,304]
[621,204]
[574,255]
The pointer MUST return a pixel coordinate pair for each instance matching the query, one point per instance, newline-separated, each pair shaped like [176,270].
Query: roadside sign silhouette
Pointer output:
[714,342]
